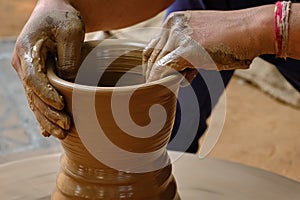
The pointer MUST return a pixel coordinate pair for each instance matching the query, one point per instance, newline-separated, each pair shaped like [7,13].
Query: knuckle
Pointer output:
[171,16]
[77,28]
[76,22]
[14,62]
[146,51]
[15,59]
[28,78]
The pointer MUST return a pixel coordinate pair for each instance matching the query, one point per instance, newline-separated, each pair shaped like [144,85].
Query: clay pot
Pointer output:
[111,151]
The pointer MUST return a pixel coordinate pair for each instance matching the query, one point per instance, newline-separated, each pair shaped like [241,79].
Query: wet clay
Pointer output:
[82,174]
[49,33]
[187,40]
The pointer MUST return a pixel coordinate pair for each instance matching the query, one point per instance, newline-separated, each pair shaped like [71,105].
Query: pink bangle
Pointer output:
[281,22]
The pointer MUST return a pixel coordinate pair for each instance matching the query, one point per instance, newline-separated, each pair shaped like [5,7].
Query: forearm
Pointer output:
[108,15]
[293,50]
[245,33]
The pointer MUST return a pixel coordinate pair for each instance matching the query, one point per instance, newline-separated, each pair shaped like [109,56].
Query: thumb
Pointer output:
[69,42]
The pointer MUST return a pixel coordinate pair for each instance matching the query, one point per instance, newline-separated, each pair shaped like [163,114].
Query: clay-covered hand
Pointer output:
[55,30]
[198,39]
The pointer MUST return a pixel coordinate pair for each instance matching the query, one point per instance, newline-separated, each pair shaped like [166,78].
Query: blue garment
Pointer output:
[289,68]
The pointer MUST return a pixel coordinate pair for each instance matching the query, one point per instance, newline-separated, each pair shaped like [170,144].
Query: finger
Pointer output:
[69,42]
[59,118]
[16,63]
[40,85]
[168,64]
[29,94]
[169,46]
[148,50]
[148,55]
[45,133]
[189,76]
[239,64]
[161,70]
[34,77]
[48,126]
[162,40]
[175,40]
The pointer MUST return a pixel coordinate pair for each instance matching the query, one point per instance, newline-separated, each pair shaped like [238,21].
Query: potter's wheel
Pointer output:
[209,179]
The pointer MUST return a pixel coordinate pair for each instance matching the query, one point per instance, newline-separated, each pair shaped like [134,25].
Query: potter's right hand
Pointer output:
[54,29]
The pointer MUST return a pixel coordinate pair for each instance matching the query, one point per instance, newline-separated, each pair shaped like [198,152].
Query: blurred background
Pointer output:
[262,116]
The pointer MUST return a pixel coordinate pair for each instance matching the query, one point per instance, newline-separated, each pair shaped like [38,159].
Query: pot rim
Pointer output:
[57,81]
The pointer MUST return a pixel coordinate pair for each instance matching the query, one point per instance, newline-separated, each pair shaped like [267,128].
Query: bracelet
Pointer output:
[281,25]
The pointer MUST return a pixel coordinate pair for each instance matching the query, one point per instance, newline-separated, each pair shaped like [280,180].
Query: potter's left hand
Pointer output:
[177,47]
[54,30]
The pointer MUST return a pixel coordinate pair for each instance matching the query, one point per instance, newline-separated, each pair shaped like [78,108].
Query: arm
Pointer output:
[232,38]
[108,15]
[246,33]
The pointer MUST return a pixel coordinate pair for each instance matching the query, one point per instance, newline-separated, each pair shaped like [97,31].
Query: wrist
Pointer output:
[262,27]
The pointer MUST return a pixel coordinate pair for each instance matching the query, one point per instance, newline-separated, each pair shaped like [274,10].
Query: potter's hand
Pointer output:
[54,29]
[178,45]
[173,49]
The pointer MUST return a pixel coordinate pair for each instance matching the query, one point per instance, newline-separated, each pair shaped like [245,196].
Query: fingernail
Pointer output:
[61,124]
[64,123]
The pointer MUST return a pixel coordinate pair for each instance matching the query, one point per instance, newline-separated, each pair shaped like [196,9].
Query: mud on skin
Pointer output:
[53,34]
[176,48]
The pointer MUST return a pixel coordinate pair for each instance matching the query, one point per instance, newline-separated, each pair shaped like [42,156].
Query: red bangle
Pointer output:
[281,17]
[277,22]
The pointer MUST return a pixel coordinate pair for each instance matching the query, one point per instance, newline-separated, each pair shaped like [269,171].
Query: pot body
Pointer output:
[116,147]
